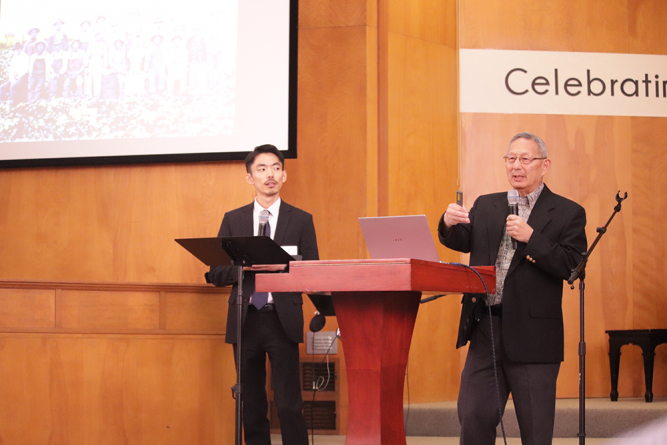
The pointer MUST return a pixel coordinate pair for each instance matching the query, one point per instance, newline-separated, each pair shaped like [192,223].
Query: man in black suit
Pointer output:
[276,328]
[521,326]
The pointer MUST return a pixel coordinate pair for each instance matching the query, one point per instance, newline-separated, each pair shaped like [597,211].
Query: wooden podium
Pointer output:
[376,304]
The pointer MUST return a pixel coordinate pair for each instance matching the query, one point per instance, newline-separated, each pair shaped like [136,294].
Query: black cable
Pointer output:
[493,351]
[312,403]
[407,380]
[434,297]
[316,386]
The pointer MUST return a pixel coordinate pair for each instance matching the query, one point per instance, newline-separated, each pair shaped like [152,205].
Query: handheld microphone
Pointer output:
[513,201]
[263,222]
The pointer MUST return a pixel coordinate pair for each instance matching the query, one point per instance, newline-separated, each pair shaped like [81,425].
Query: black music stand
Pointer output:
[242,252]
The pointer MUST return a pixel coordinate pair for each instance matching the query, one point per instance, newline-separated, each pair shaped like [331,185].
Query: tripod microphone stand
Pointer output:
[579,273]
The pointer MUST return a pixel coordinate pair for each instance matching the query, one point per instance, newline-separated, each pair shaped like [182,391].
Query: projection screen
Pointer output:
[86,82]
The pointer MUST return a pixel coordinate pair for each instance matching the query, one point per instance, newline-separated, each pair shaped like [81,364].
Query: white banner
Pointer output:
[546,82]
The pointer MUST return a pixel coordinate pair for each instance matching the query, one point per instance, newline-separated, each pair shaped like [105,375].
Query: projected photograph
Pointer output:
[89,70]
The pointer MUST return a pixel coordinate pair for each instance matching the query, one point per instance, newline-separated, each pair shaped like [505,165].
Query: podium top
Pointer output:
[401,274]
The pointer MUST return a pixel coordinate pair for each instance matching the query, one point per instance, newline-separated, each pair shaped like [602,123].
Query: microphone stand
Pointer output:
[237,393]
[579,273]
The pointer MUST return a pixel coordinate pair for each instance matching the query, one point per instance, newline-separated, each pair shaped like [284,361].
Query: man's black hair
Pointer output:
[266,148]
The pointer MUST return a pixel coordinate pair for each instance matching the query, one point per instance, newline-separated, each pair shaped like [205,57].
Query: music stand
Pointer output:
[242,252]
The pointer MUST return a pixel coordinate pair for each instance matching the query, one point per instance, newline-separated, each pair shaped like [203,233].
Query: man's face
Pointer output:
[266,174]
[526,177]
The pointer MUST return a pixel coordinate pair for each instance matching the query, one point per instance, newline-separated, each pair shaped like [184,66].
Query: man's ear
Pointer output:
[248,178]
[284,176]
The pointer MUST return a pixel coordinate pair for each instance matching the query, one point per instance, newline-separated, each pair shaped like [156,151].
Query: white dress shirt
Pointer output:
[273,222]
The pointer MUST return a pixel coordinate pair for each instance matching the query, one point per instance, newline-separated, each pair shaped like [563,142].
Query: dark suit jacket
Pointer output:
[295,228]
[532,319]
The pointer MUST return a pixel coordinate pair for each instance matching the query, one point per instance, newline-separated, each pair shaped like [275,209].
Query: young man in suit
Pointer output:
[521,326]
[275,328]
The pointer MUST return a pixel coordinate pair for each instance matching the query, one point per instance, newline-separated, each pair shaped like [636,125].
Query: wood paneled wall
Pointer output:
[378,133]
[110,363]
[592,158]
[423,169]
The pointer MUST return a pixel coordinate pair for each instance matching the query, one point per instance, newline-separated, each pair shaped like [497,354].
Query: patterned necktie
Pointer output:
[259,299]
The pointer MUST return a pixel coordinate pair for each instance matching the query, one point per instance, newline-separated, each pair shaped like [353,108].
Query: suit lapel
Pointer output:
[540,216]
[247,225]
[283,222]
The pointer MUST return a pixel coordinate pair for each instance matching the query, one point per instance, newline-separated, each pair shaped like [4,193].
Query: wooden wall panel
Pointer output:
[548,25]
[21,308]
[101,309]
[114,223]
[186,379]
[594,156]
[337,132]
[643,34]
[431,21]
[649,170]
[649,173]
[111,390]
[190,311]
[335,13]
[108,374]
[41,396]
[329,177]
[423,170]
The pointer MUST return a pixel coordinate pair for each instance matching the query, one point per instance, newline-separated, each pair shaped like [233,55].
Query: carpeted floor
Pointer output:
[436,423]
[411,440]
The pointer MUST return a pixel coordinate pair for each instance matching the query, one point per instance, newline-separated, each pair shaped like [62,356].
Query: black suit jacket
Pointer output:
[295,228]
[532,319]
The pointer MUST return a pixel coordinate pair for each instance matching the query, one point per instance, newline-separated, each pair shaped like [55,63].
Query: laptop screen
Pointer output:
[399,237]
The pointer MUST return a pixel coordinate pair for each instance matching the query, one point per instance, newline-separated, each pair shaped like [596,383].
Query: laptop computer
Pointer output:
[399,237]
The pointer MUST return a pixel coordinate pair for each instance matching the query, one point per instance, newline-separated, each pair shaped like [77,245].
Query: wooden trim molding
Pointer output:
[111,308]
[112,286]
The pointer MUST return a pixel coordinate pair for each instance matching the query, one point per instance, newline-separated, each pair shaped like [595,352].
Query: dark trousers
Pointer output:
[263,335]
[533,389]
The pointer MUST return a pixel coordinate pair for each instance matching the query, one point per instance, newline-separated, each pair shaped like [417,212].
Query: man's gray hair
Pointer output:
[541,146]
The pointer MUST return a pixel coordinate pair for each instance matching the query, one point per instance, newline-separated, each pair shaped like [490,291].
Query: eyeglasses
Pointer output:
[525,160]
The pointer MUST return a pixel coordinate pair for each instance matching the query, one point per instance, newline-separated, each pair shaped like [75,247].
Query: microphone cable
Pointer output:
[319,384]
[406,416]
